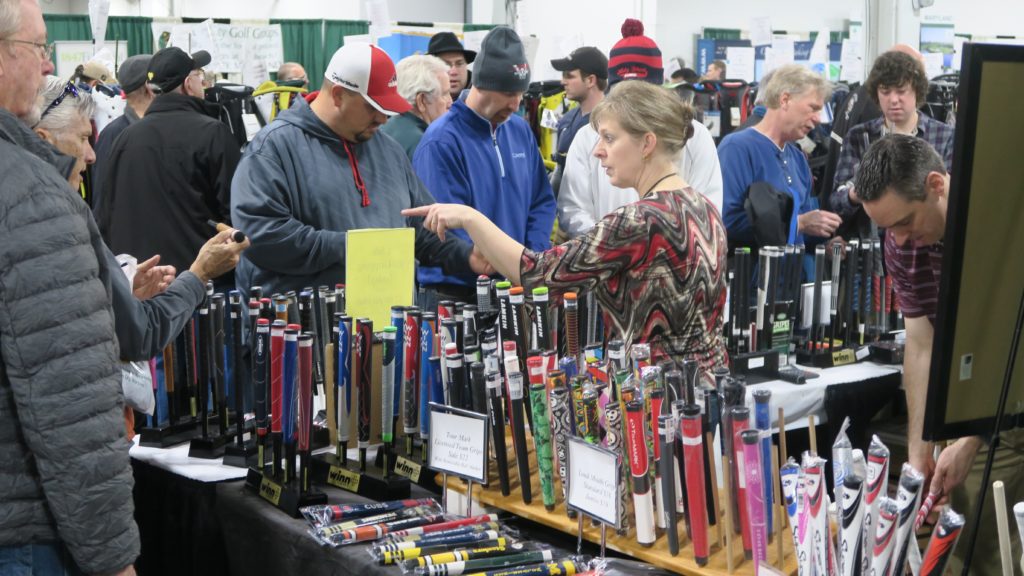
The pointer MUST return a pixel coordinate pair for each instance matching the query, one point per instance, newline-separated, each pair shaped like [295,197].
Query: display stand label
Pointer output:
[343,478]
[458,442]
[408,468]
[843,357]
[593,481]
[863,352]
[270,491]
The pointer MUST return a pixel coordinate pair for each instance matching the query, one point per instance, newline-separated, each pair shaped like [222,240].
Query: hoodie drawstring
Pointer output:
[354,165]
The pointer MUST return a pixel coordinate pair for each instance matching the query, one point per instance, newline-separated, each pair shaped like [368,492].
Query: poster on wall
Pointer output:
[938,37]
[230,46]
[69,54]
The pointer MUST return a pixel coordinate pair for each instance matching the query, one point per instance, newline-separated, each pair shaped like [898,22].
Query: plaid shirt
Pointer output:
[936,133]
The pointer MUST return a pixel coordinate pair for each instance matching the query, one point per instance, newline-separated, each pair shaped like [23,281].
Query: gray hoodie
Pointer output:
[294,194]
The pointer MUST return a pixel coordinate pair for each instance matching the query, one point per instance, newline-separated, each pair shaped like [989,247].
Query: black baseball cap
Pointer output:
[448,42]
[170,66]
[587,59]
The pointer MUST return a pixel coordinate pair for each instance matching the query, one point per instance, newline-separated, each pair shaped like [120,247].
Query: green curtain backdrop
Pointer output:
[138,31]
[302,42]
[313,42]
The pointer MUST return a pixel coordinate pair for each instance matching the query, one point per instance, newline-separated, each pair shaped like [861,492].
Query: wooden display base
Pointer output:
[658,554]
[327,469]
[285,497]
[169,435]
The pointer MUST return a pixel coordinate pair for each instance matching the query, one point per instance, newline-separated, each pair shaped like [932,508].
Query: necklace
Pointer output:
[659,181]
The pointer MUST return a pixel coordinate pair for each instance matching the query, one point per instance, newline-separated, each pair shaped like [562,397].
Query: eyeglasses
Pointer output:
[69,88]
[47,49]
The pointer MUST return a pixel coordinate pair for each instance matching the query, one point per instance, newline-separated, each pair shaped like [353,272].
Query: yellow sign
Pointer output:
[344,479]
[378,273]
[408,468]
[842,357]
[270,491]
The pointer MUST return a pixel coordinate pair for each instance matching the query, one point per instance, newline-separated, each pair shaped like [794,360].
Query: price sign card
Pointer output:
[593,481]
[458,442]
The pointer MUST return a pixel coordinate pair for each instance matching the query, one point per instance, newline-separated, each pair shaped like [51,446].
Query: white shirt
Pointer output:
[587,195]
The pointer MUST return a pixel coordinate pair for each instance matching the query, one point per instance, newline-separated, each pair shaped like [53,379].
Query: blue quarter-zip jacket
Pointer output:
[462,160]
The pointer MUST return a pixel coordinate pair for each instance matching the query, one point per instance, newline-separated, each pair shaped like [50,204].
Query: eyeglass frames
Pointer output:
[69,88]
[47,48]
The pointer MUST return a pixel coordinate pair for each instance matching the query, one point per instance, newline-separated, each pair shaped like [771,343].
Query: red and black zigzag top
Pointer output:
[658,269]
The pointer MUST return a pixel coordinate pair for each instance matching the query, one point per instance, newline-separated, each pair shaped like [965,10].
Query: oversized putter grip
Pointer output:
[542,443]
[364,371]
[850,531]
[643,501]
[693,454]
[387,389]
[756,510]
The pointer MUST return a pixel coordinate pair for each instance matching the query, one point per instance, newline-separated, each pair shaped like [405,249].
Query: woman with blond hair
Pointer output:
[657,265]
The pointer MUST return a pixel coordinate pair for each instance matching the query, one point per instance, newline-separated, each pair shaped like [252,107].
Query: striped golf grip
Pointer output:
[499,547]
[343,374]
[387,385]
[643,504]
[817,505]
[304,422]
[740,422]
[884,541]
[340,512]
[469,566]
[461,537]
[424,378]
[874,489]
[613,421]
[561,428]
[398,320]
[560,568]
[850,531]
[364,370]
[943,541]
[261,353]
[755,495]
[411,377]
[288,382]
[481,522]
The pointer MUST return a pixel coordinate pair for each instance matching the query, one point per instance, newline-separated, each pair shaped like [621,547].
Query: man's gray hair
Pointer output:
[795,80]
[10,18]
[418,75]
[63,116]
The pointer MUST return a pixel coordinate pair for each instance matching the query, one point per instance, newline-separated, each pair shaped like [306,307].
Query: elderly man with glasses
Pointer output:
[61,404]
[423,82]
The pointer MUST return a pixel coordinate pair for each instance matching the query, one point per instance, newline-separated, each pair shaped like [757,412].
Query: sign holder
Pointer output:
[458,446]
[586,463]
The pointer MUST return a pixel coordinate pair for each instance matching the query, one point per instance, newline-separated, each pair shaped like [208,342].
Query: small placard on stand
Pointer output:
[593,486]
[458,446]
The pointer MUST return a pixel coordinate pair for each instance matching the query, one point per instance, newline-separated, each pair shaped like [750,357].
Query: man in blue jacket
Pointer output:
[483,155]
[320,170]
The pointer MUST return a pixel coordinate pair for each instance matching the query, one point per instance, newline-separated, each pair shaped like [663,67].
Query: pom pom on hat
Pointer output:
[632,27]
[635,57]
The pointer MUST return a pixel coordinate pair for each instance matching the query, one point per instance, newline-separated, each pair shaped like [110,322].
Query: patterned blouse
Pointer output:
[657,267]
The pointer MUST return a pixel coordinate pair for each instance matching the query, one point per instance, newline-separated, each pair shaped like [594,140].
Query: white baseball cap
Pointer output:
[368,70]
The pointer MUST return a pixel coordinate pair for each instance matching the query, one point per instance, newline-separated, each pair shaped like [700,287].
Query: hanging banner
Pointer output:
[233,48]
[99,13]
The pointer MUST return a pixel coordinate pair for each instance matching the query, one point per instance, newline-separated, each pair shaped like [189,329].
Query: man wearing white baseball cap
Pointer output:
[320,170]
